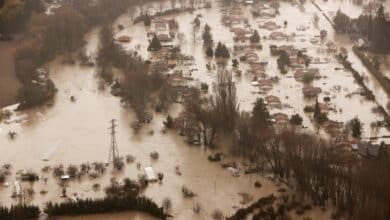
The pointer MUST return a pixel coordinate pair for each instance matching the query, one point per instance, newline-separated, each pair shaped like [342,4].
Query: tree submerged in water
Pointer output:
[221,51]
[207,37]
[155,44]
[356,127]
[255,38]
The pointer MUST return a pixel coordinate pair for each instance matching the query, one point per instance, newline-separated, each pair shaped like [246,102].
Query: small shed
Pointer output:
[150,175]
[65,177]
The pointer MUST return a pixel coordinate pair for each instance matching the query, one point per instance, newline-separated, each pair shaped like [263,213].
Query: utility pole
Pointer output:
[113,152]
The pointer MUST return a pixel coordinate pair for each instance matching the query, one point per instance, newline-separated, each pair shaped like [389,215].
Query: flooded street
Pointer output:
[77,132]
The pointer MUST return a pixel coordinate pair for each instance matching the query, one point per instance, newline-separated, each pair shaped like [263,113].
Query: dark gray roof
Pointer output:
[368,149]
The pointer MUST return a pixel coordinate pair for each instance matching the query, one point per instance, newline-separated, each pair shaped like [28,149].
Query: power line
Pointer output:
[113,151]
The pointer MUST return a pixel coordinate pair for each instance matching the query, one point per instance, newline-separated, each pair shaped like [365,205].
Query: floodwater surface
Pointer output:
[77,132]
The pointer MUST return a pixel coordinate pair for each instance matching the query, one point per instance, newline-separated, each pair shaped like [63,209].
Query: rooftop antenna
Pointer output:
[113,152]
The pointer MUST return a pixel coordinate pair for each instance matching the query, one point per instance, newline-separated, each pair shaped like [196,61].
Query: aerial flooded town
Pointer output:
[195,109]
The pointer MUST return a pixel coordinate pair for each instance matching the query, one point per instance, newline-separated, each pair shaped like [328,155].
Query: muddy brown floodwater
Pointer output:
[77,132]
[8,81]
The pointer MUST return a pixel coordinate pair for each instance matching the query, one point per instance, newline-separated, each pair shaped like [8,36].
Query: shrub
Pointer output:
[160,176]
[204,87]
[118,164]
[154,155]
[130,158]
[215,158]
[187,193]
[258,184]
[209,52]
[255,38]
[168,122]
[167,204]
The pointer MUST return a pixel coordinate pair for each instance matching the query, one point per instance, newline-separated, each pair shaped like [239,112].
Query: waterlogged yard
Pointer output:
[75,132]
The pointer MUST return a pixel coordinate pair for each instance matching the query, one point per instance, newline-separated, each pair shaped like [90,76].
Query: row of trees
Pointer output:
[375,28]
[106,205]
[19,212]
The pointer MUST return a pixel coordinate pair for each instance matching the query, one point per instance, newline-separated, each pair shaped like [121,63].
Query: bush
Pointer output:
[167,204]
[197,208]
[118,164]
[169,122]
[255,38]
[130,158]
[160,176]
[209,52]
[215,158]
[187,193]
[235,63]
[154,155]
[204,87]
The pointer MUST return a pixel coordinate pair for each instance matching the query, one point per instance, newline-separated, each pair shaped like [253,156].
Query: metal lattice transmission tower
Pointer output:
[113,152]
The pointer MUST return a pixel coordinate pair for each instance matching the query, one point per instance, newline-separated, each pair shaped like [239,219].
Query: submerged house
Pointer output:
[269,25]
[277,35]
[310,91]
[368,149]
[280,119]
[164,38]
[273,101]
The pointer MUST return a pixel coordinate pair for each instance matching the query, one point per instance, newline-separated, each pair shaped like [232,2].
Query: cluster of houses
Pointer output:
[369,149]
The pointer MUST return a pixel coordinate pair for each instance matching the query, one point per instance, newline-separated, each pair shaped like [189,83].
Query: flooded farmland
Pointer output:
[74,132]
